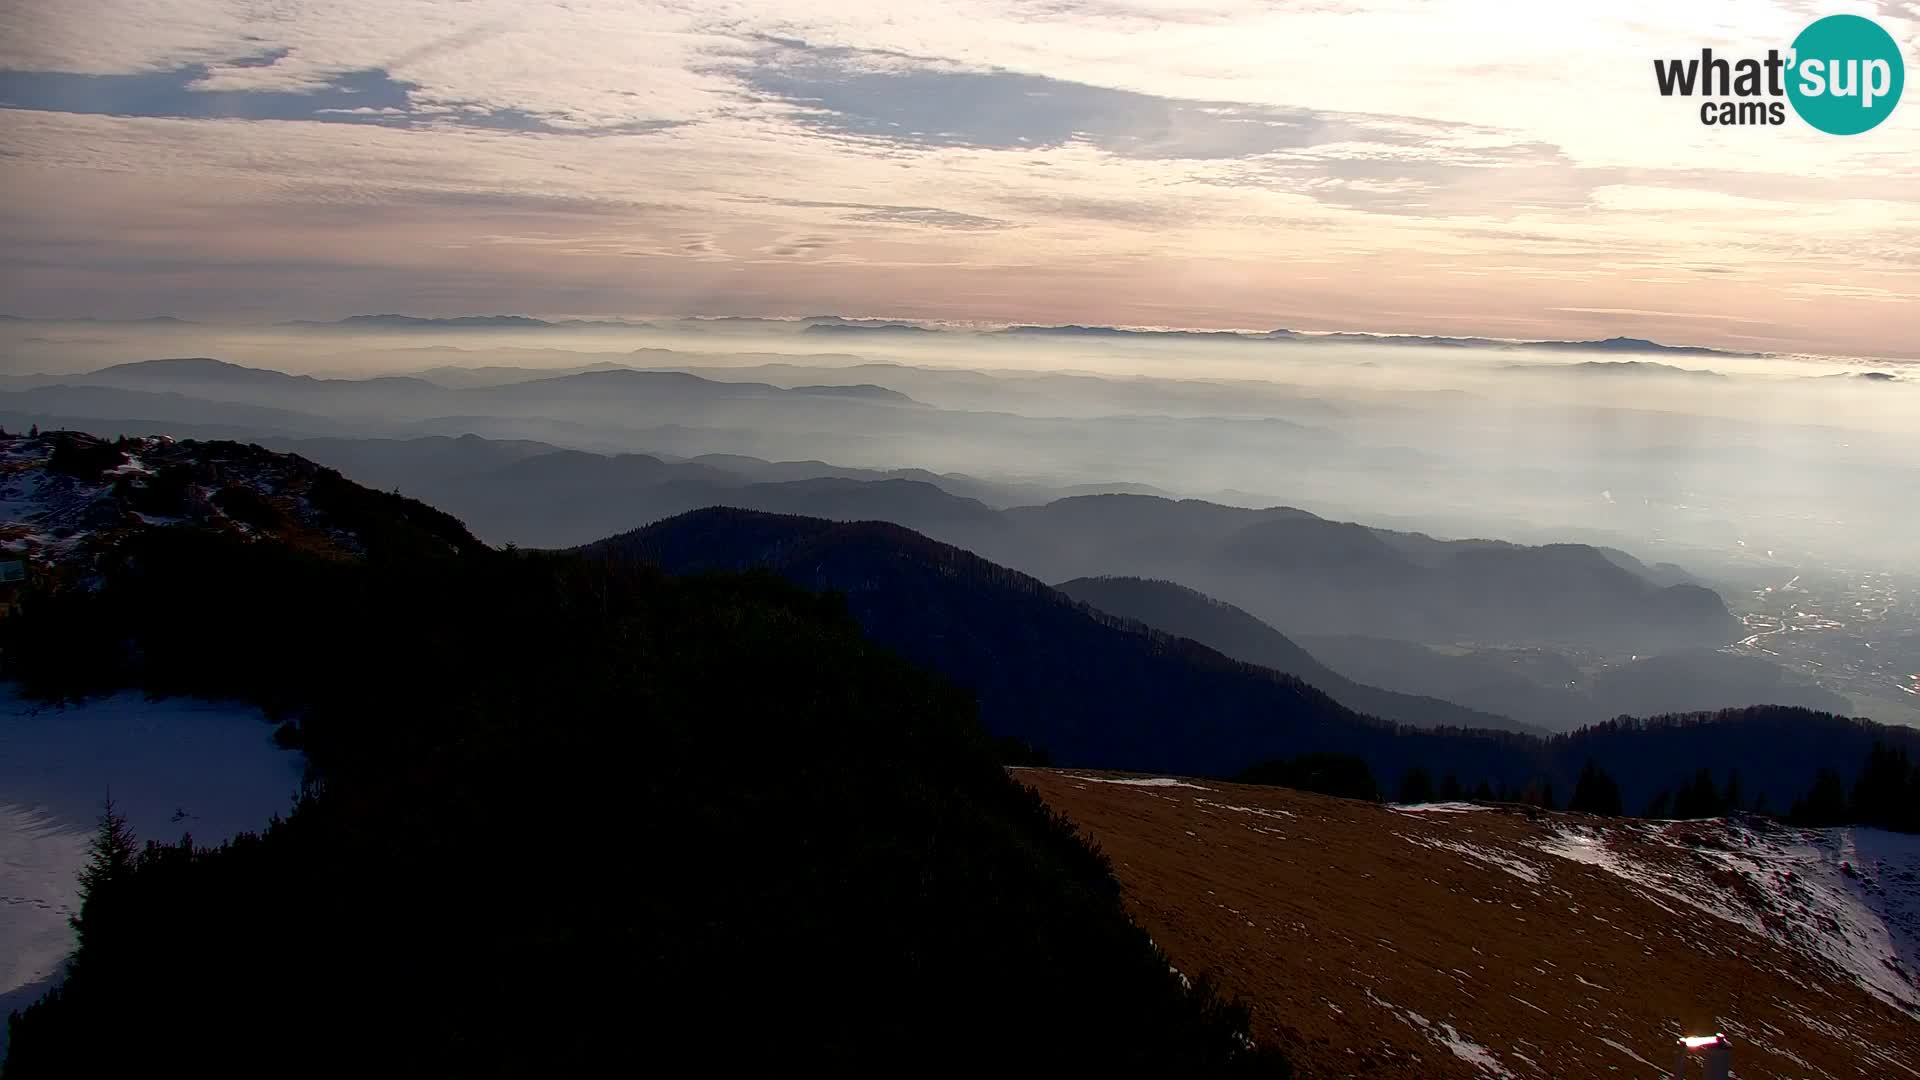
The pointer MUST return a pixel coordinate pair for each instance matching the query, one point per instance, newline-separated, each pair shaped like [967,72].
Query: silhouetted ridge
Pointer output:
[1189,613]
[1304,574]
[1091,689]
[725,539]
[1085,687]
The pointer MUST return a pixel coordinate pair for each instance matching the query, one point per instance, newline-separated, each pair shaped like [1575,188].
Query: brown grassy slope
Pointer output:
[1366,940]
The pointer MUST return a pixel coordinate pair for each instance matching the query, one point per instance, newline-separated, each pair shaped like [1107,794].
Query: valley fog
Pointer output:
[1705,457]
[1784,484]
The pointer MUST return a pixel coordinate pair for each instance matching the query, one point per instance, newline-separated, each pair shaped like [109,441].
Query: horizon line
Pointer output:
[980,326]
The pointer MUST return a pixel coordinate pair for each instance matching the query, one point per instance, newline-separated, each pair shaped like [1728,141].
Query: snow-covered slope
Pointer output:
[1848,897]
[67,497]
[40,854]
[63,493]
[172,766]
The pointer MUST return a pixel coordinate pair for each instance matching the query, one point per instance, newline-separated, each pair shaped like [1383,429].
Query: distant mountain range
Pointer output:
[883,328]
[1620,367]
[202,390]
[834,325]
[1621,345]
[1309,578]
[459,378]
[865,328]
[1295,570]
[1386,617]
[462,322]
[539,495]
[415,322]
[150,320]
[1607,345]
[1118,332]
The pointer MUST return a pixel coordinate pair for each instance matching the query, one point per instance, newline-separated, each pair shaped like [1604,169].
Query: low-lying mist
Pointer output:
[1673,453]
[1782,484]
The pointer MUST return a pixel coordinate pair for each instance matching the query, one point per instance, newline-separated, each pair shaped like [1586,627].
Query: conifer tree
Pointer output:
[1884,794]
[110,861]
[1825,804]
[1416,786]
[1697,798]
[1595,792]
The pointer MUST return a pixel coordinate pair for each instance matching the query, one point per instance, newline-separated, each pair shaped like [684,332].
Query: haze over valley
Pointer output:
[1676,500]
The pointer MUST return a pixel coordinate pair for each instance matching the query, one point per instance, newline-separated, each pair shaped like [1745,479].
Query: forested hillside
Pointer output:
[565,817]
[1088,688]
[1093,690]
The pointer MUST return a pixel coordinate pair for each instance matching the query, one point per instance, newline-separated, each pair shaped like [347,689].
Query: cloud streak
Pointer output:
[192,91]
[1404,168]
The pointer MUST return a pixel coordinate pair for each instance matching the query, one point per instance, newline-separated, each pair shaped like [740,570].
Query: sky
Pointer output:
[1454,167]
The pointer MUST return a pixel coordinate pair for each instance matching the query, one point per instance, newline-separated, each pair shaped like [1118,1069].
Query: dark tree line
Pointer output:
[1595,792]
[567,817]
[1343,775]
[1886,794]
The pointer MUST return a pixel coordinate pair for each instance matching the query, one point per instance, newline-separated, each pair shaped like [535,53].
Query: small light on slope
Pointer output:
[1717,1059]
[1695,1042]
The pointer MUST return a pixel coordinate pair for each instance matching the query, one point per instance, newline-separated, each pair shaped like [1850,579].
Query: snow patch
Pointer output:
[1499,860]
[1786,885]
[1629,1052]
[40,860]
[174,766]
[1481,1058]
[1472,1052]
[1257,811]
[1436,808]
[1129,781]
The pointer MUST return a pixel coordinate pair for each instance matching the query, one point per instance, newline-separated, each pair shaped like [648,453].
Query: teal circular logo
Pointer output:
[1846,74]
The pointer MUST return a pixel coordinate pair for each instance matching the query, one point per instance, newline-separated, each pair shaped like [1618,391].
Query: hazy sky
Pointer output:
[1460,167]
